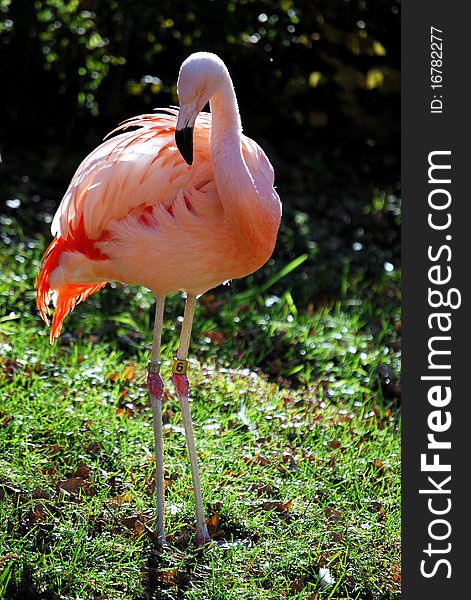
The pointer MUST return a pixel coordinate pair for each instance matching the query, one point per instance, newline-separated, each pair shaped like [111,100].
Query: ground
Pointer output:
[297,424]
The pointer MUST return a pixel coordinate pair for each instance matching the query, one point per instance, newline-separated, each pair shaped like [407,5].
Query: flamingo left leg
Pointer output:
[155,386]
[180,381]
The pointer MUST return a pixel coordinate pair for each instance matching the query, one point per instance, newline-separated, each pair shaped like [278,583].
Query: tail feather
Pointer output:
[66,297]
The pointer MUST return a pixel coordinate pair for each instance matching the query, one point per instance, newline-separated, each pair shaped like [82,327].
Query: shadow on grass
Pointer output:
[170,572]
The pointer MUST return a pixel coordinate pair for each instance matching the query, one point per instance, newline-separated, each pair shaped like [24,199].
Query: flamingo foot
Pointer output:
[160,543]
[203,537]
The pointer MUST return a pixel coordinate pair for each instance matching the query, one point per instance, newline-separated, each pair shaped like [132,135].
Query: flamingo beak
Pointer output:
[184,132]
[184,141]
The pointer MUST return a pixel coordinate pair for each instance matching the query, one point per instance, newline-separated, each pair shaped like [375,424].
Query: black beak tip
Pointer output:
[184,142]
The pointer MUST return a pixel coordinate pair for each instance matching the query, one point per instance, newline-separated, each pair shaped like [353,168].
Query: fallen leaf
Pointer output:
[211,303]
[39,513]
[126,411]
[263,490]
[55,448]
[139,527]
[94,448]
[216,337]
[121,499]
[379,509]
[297,585]
[169,577]
[256,459]
[82,472]
[10,490]
[332,514]
[39,494]
[277,505]
[6,557]
[72,485]
[129,372]
[289,458]
[213,522]
[337,537]
[11,367]
[167,416]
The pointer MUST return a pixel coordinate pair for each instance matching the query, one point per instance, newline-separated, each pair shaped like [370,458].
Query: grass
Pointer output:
[296,420]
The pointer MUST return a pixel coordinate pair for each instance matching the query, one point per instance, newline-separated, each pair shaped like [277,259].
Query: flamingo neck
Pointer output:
[226,126]
[247,208]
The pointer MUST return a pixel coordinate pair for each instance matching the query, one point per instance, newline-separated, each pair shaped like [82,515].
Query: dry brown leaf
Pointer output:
[94,448]
[168,577]
[39,494]
[82,471]
[129,372]
[55,448]
[332,514]
[211,303]
[139,527]
[128,522]
[121,499]
[337,537]
[213,522]
[216,337]
[6,557]
[256,459]
[297,585]
[277,505]
[126,411]
[71,485]
[39,513]
[263,490]
[10,367]
[289,458]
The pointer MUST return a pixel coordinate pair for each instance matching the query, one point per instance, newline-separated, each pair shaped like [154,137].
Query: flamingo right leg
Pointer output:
[155,386]
[182,387]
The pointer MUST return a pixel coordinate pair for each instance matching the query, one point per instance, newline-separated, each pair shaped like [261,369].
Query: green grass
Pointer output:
[296,419]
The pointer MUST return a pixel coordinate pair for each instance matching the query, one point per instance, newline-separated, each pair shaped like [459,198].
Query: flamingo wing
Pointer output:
[130,172]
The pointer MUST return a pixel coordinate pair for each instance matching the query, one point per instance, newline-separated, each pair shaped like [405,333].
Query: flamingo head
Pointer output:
[200,76]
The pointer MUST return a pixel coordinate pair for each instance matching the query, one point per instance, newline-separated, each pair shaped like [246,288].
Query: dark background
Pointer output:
[317,84]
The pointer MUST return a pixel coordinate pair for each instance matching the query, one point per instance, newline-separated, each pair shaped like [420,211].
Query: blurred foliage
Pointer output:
[317,83]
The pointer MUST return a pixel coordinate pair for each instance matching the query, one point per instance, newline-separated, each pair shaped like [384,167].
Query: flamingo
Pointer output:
[177,200]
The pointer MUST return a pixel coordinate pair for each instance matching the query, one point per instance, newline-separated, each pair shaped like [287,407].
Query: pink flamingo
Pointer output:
[135,212]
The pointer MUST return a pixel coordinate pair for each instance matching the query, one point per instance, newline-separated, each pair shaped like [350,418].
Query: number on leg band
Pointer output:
[179,367]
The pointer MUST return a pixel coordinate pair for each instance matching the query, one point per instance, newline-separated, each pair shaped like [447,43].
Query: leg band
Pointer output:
[179,366]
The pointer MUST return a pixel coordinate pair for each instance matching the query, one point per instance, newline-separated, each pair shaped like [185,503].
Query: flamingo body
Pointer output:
[135,212]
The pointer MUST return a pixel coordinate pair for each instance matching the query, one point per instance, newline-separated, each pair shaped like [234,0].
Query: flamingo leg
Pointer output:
[180,381]
[155,386]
